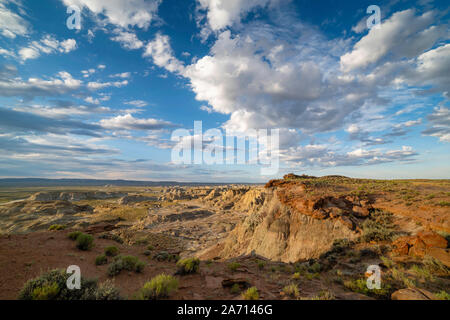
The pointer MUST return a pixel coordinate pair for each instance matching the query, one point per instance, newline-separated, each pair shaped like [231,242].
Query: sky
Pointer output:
[103,101]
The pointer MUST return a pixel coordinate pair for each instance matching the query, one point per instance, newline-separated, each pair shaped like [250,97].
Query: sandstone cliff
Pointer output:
[288,224]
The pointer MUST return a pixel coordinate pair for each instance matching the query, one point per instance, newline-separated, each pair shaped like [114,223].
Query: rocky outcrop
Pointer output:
[44,208]
[130,199]
[290,226]
[26,216]
[413,294]
[424,243]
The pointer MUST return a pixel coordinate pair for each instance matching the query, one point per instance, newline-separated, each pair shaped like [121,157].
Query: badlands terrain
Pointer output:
[300,237]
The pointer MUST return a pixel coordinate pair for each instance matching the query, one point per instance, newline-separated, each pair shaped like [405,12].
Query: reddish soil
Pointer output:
[23,257]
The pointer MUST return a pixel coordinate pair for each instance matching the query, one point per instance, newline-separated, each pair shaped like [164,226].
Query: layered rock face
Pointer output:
[289,225]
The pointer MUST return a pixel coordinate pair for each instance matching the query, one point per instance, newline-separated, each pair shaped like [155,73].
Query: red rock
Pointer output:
[432,239]
[413,294]
[440,254]
[347,222]
[418,248]
[360,212]
[402,245]
[320,214]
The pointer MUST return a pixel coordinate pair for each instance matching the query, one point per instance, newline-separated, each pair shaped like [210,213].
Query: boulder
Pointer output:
[360,212]
[432,239]
[422,244]
[413,294]
[443,255]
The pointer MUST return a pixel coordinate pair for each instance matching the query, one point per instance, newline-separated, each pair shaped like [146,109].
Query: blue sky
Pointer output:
[103,101]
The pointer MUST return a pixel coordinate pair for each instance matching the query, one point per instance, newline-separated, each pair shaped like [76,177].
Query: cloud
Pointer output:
[432,68]
[122,13]
[23,147]
[123,75]
[402,35]
[23,122]
[321,156]
[128,40]
[61,84]
[61,112]
[7,53]
[68,45]
[47,45]
[254,76]
[223,13]
[137,103]
[102,85]
[29,53]
[88,73]
[11,24]
[439,124]
[128,122]
[162,54]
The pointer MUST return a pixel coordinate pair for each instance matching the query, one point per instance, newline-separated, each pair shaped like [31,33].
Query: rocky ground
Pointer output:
[297,238]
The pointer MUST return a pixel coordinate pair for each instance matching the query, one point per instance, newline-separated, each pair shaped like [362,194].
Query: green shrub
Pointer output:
[291,291]
[379,227]
[400,276]
[147,253]
[165,256]
[84,241]
[360,286]
[139,266]
[129,263]
[115,268]
[322,295]
[326,295]
[111,251]
[52,285]
[101,260]
[74,235]
[189,265]
[387,262]
[315,268]
[57,227]
[235,289]
[47,291]
[296,276]
[161,286]
[251,294]
[107,291]
[444,203]
[435,266]
[110,236]
[443,295]
[422,272]
[233,266]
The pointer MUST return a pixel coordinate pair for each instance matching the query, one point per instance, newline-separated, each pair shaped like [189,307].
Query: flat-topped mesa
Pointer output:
[74,196]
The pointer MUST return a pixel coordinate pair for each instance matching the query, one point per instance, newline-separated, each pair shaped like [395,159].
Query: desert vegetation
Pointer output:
[299,238]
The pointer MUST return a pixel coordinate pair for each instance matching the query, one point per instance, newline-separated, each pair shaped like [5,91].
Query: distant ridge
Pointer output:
[39,182]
